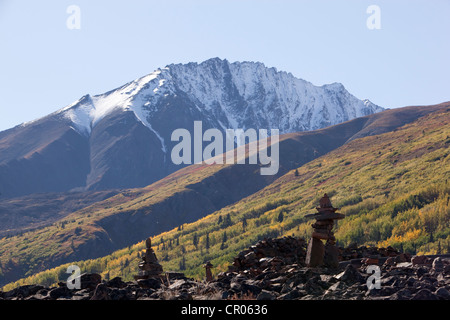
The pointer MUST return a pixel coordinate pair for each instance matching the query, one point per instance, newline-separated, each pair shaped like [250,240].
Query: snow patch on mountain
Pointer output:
[88,111]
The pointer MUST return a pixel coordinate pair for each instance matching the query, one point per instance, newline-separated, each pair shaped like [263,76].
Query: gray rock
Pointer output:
[338,286]
[411,282]
[443,293]
[266,295]
[424,294]
[182,296]
[101,292]
[251,286]
[438,264]
[119,294]
[150,283]
[182,284]
[421,271]
[314,286]
[116,283]
[402,294]
[61,292]
[331,256]
[350,275]
[294,294]
[90,280]
[23,291]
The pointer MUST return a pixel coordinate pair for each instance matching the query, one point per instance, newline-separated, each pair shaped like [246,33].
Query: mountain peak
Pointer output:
[335,86]
[231,95]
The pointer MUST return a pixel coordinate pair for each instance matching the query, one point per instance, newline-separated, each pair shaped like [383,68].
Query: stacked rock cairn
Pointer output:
[319,254]
[149,267]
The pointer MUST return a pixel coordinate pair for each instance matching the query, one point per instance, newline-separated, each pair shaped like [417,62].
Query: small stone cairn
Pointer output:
[208,265]
[317,253]
[149,266]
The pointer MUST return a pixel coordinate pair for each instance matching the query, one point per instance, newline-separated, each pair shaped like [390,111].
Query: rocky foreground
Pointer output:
[274,269]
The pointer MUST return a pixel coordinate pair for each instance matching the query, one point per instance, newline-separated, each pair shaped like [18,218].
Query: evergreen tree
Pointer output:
[227,221]
[244,224]
[207,241]
[224,239]
[195,240]
[280,216]
[182,264]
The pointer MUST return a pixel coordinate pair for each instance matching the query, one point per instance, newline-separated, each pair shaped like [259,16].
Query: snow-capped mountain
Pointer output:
[122,138]
[234,95]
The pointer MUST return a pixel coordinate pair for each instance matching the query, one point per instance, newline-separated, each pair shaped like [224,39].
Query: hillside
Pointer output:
[393,188]
[132,215]
[183,197]
[39,209]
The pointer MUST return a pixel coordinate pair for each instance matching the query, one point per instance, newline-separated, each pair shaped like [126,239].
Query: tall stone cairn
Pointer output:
[149,267]
[317,253]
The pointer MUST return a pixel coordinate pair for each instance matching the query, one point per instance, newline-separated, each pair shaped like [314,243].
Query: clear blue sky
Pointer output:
[45,66]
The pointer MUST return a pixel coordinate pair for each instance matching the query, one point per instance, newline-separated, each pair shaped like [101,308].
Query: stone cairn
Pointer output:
[319,254]
[208,265]
[149,266]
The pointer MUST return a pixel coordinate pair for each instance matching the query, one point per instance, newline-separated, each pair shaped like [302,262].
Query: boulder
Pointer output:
[424,294]
[150,283]
[350,275]
[331,256]
[90,280]
[61,292]
[101,292]
[116,283]
[23,291]
[438,264]
[420,260]
[402,294]
[266,295]
[442,293]
[421,271]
